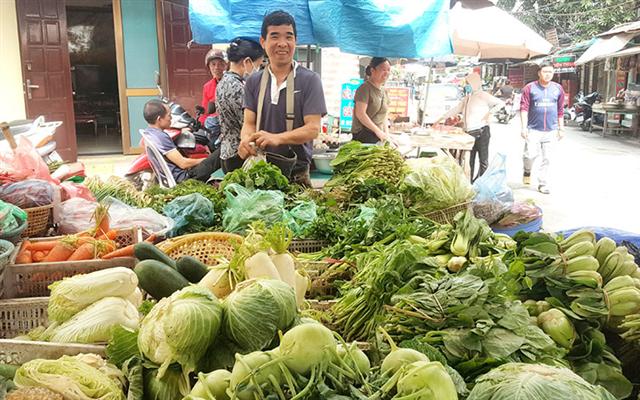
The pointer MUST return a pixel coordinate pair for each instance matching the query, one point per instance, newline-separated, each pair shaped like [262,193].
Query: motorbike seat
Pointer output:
[158,163]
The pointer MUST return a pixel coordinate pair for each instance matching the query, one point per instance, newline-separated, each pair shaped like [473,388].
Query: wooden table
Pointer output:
[458,143]
[606,127]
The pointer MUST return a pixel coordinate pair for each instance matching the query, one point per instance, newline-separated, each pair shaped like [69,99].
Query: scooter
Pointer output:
[510,109]
[191,139]
[41,134]
[586,104]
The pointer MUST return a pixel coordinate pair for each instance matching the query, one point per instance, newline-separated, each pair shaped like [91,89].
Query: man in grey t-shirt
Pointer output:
[278,38]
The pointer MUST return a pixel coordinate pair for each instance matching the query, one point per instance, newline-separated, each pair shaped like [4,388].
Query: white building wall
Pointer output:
[12,104]
[337,68]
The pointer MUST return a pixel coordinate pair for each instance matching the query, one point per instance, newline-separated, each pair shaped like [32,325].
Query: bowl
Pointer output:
[323,162]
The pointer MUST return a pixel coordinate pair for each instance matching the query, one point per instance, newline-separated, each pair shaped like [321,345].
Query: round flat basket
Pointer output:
[6,248]
[37,220]
[14,235]
[446,215]
[208,247]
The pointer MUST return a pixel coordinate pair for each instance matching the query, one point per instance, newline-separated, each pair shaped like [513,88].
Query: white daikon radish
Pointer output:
[286,267]
[260,265]
[217,280]
[302,283]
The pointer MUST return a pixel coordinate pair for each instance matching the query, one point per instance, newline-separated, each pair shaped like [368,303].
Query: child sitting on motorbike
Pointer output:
[158,116]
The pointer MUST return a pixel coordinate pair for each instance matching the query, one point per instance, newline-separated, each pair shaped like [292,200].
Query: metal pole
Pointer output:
[426,91]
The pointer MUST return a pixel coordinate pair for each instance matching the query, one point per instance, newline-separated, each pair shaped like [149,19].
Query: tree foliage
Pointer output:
[575,20]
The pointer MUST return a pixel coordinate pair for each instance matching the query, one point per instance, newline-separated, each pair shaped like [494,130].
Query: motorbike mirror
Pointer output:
[211,107]
[157,80]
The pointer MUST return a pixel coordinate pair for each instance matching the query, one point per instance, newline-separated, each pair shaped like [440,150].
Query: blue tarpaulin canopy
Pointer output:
[385,28]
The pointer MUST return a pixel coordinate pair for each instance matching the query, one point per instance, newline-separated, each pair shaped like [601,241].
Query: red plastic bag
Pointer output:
[24,162]
[71,190]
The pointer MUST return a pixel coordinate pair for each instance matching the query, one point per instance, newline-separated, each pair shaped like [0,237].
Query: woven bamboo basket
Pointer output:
[37,220]
[207,247]
[446,215]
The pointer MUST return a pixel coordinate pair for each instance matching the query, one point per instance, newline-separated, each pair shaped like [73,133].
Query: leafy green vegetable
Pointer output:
[123,345]
[361,172]
[534,382]
[94,324]
[180,328]
[436,184]
[71,377]
[247,206]
[261,175]
[256,310]
[71,295]
[168,385]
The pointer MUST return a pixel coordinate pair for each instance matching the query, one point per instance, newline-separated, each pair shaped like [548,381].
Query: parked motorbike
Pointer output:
[189,136]
[586,105]
[510,109]
[40,133]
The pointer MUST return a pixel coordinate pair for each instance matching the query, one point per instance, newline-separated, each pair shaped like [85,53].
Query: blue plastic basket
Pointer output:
[533,226]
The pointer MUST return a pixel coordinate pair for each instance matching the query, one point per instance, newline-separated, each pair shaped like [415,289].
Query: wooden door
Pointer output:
[186,72]
[46,69]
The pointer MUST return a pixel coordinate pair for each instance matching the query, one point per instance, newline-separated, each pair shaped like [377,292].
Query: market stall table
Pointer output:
[458,143]
[607,111]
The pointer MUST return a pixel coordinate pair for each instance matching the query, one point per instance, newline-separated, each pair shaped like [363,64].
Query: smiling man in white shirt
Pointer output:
[476,109]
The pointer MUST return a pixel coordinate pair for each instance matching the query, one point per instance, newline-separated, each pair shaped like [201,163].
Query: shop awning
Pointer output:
[626,52]
[603,47]
[385,28]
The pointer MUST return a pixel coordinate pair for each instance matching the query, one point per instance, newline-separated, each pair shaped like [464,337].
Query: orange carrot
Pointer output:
[25,245]
[61,252]
[86,251]
[38,256]
[24,257]
[121,252]
[151,238]
[111,235]
[43,246]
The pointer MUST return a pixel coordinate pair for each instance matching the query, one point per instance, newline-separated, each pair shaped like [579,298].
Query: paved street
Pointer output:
[594,180]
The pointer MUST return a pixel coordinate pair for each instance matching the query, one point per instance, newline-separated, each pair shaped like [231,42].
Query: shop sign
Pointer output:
[398,101]
[564,64]
[347,105]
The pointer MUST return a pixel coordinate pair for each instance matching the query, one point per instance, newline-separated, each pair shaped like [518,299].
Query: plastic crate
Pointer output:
[446,215]
[17,352]
[33,280]
[19,316]
[6,249]
[307,245]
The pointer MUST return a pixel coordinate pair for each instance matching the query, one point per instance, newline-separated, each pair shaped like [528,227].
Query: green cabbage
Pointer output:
[73,378]
[71,295]
[534,382]
[256,310]
[172,385]
[180,328]
[95,323]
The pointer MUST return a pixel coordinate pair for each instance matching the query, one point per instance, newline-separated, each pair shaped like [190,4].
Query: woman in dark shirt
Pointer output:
[245,57]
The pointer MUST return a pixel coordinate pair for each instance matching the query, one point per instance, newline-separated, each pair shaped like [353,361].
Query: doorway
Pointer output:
[94,77]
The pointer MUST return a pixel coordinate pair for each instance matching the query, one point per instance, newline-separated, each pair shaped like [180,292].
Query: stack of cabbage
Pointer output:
[85,308]
[192,331]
